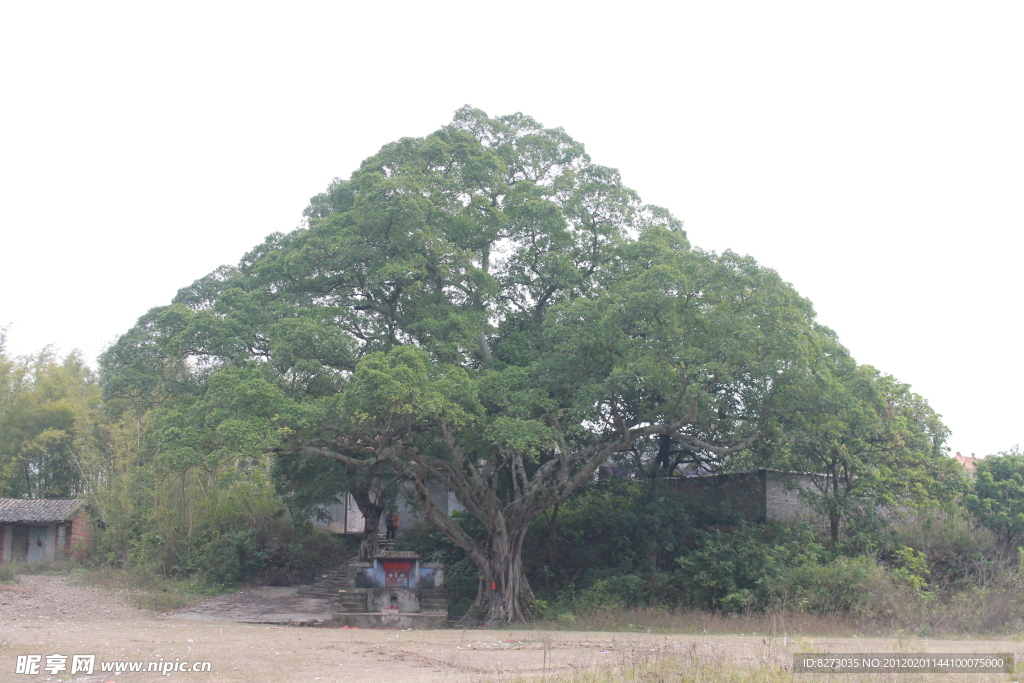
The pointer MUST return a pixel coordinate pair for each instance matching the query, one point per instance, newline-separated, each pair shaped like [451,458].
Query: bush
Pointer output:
[612,528]
[275,552]
[832,588]
[734,570]
[960,555]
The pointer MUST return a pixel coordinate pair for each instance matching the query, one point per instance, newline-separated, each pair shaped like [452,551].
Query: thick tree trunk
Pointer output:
[371,511]
[504,595]
[369,545]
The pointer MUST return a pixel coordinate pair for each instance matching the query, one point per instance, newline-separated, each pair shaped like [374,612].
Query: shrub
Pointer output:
[613,527]
[997,496]
[734,570]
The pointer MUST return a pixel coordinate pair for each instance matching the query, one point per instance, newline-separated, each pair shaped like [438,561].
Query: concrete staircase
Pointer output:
[434,600]
[352,602]
[327,586]
[385,543]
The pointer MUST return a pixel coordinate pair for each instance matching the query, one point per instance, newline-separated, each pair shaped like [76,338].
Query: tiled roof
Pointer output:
[968,462]
[28,510]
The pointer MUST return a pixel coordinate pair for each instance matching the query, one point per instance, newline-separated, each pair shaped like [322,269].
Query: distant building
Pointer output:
[344,516]
[968,462]
[36,530]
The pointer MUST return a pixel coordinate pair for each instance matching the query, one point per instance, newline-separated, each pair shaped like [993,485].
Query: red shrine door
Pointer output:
[396,573]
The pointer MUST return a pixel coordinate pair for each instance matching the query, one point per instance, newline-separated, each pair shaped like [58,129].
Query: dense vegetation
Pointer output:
[488,307]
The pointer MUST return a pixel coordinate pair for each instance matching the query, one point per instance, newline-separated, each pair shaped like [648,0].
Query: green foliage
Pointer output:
[623,546]
[733,570]
[204,508]
[959,554]
[279,552]
[425,316]
[49,410]
[488,307]
[868,440]
[997,496]
[614,527]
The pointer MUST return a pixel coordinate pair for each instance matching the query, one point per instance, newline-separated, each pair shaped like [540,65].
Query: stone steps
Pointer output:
[435,609]
[323,593]
[327,586]
[352,602]
[434,600]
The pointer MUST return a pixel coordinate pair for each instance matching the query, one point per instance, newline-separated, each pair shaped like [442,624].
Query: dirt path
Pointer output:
[49,616]
[260,606]
[42,598]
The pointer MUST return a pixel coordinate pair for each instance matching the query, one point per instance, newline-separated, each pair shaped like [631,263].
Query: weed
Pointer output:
[9,571]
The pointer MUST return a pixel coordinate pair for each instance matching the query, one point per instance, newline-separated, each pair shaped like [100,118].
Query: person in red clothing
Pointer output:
[391,522]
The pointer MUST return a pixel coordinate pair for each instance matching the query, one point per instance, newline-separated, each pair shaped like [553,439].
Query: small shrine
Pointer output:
[396,590]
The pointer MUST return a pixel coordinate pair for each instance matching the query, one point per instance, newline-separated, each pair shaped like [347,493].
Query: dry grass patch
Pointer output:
[144,590]
[776,624]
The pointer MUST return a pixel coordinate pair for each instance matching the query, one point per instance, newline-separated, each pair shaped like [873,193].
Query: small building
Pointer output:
[397,590]
[968,462]
[38,530]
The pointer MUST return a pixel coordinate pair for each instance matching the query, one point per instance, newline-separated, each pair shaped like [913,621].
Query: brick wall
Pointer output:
[726,498]
[751,496]
[81,534]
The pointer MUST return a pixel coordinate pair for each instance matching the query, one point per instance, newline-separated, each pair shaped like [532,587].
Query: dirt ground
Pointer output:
[46,615]
[267,605]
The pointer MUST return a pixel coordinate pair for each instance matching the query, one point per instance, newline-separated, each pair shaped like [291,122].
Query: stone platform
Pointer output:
[402,620]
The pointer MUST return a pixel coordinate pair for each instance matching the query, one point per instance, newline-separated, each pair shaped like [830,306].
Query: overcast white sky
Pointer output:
[871,152]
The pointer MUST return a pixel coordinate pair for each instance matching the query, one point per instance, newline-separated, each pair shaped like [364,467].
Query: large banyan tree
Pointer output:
[487,307]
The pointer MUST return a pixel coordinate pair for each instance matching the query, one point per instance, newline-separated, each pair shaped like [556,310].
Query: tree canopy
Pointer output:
[997,496]
[485,306]
[869,442]
[48,415]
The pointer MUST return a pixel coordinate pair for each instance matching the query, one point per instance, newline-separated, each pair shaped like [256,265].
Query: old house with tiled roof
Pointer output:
[37,530]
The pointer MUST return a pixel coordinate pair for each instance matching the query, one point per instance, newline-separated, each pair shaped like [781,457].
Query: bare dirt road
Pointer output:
[45,615]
